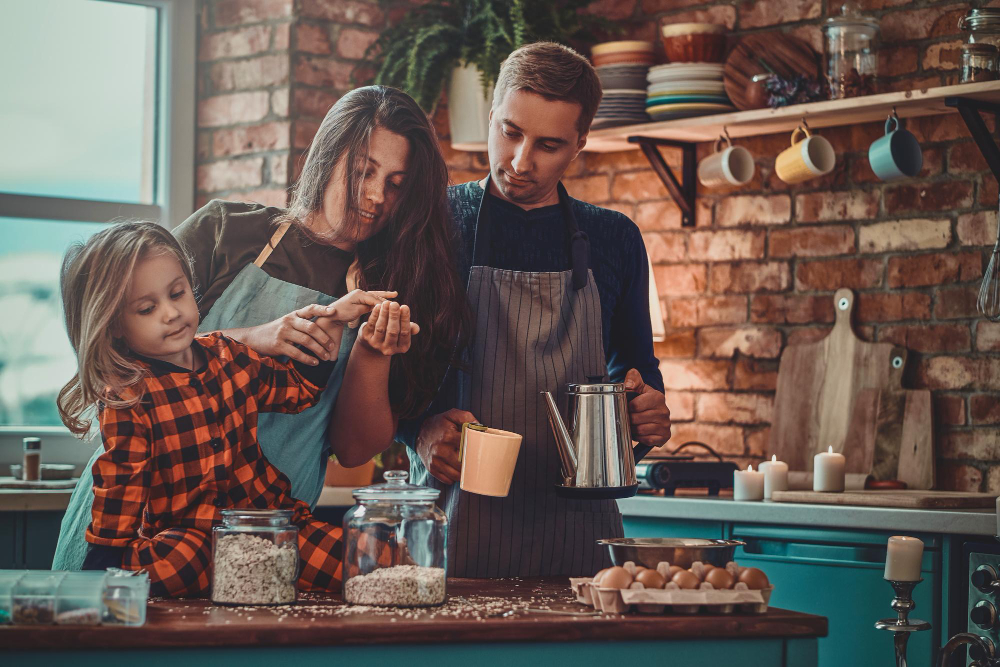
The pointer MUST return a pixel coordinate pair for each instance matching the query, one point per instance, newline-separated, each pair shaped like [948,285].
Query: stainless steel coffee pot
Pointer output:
[595,443]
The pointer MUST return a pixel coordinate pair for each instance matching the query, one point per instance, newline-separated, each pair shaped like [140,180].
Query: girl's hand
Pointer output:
[388,330]
[306,327]
[349,308]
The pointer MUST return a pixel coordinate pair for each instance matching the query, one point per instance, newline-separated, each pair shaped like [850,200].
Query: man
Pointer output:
[547,311]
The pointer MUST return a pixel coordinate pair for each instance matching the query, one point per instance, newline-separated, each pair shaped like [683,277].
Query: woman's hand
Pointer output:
[388,330]
[349,308]
[280,337]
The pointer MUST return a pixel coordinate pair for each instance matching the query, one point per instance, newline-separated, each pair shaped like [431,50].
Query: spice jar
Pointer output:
[396,542]
[255,558]
[31,465]
[979,62]
[851,53]
[983,26]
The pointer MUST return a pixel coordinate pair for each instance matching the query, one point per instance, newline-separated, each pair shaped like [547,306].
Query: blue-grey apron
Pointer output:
[296,444]
[534,331]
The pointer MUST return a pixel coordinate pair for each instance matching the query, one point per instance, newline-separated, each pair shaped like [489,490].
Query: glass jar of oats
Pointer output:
[255,558]
[395,545]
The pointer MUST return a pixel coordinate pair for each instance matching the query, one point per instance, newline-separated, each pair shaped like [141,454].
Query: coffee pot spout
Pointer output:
[564,441]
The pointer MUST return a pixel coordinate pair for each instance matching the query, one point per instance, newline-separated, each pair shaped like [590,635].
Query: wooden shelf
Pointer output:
[829,113]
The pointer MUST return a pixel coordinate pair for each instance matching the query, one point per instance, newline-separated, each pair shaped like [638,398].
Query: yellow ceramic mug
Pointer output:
[811,157]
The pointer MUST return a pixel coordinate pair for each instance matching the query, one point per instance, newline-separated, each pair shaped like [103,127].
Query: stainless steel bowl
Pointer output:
[650,551]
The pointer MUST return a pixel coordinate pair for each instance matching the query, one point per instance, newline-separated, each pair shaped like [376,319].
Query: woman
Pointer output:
[369,211]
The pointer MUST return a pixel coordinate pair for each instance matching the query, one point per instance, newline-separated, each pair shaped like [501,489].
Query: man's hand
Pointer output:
[438,442]
[648,412]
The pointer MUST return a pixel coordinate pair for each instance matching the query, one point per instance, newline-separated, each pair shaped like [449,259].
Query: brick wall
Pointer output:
[759,269]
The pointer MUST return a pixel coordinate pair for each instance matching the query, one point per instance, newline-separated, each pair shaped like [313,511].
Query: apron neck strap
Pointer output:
[272,244]
[579,242]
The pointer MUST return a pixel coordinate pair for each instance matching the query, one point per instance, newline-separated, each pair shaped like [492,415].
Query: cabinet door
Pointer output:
[9,542]
[840,576]
[41,533]
[655,527]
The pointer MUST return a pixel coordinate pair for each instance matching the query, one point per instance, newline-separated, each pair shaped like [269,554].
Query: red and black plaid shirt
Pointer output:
[189,449]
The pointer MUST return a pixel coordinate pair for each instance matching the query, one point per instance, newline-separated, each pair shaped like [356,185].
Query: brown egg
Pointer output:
[674,569]
[650,579]
[685,579]
[708,566]
[754,579]
[597,577]
[616,577]
[719,578]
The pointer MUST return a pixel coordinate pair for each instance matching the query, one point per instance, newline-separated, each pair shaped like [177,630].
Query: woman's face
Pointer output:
[381,182]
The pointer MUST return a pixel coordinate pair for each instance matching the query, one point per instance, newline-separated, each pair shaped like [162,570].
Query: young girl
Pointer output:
[178,413]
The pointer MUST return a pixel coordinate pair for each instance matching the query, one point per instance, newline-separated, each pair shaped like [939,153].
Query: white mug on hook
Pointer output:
[732,166]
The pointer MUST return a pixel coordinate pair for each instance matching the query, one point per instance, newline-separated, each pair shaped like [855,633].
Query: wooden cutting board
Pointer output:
[817,385]
[903,499]
[892,429]
[786,55]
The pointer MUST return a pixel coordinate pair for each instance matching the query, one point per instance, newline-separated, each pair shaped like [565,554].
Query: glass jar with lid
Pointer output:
[851,53]
[983,26]
[255,558]
[396,545]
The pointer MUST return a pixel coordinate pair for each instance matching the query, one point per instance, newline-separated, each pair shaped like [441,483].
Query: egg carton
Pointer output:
[677,601]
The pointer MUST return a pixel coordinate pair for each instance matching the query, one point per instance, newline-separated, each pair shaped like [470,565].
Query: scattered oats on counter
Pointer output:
[398,586]
[252,570]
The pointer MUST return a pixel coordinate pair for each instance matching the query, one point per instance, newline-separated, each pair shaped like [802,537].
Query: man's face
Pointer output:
[531,143]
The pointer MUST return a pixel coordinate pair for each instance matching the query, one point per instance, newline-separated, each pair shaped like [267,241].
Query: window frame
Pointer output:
[174,169]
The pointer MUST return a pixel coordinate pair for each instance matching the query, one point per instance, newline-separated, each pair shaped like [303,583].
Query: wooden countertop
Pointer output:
[472,614]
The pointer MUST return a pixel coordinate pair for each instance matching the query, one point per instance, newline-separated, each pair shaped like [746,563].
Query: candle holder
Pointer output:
[902,626]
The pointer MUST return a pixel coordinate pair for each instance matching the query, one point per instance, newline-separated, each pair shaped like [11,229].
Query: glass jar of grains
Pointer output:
[979,62]
[396,543]
[851,53]
[255,558]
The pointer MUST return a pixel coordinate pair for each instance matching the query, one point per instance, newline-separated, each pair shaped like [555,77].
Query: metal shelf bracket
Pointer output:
[971,111]
[683,191]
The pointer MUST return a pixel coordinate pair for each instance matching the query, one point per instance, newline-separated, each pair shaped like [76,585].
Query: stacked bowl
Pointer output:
[622,68]
[691,84]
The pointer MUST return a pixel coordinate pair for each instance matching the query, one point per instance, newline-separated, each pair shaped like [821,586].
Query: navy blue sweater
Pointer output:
[536,240]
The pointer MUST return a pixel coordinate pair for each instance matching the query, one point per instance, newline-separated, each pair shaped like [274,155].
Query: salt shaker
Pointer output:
[31,466]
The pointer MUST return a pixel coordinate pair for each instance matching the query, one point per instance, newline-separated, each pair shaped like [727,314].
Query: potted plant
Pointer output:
[461,44]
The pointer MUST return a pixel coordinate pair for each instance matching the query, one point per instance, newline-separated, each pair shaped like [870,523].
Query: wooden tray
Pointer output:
[786,55]
[904,499]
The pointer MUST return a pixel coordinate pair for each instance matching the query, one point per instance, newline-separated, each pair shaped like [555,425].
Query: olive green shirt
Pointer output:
[223,237]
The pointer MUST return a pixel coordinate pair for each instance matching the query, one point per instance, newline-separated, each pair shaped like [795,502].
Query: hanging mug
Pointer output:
[896,155]
[811,157]
[732,166]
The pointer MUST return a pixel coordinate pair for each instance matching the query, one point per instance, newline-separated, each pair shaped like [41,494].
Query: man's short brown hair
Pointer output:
[555,72]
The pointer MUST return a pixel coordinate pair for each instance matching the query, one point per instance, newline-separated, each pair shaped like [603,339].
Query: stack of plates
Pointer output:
[679,90]
[621,107]
[622,68]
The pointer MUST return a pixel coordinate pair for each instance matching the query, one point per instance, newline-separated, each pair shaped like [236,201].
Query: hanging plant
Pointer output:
[419,53]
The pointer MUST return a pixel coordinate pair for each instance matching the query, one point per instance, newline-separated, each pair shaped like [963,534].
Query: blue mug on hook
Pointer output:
[897,155]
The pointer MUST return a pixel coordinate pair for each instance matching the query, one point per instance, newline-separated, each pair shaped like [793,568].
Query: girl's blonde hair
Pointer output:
[95,279]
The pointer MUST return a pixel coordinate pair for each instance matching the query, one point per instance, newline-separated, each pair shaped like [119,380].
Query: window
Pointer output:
[96,123]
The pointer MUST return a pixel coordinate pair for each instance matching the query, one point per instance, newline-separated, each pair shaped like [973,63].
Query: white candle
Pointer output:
[902,559]
[748,485]
[775,476]
[828,471]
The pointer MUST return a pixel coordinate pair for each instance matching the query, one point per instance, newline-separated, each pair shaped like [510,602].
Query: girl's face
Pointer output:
[160,317]
[381,182]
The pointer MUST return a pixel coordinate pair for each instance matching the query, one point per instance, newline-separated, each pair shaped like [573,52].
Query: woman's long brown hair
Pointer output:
[414,252]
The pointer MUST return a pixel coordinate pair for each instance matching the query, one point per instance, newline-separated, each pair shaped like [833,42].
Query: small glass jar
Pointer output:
[851,53]
[255,558]
[983,26]
[396,545]
[31,464]
[979,62]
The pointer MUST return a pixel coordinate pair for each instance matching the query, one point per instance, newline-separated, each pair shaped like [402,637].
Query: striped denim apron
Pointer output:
[534,331]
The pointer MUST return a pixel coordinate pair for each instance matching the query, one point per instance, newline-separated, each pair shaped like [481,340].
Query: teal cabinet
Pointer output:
[830,572]
[28,539]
